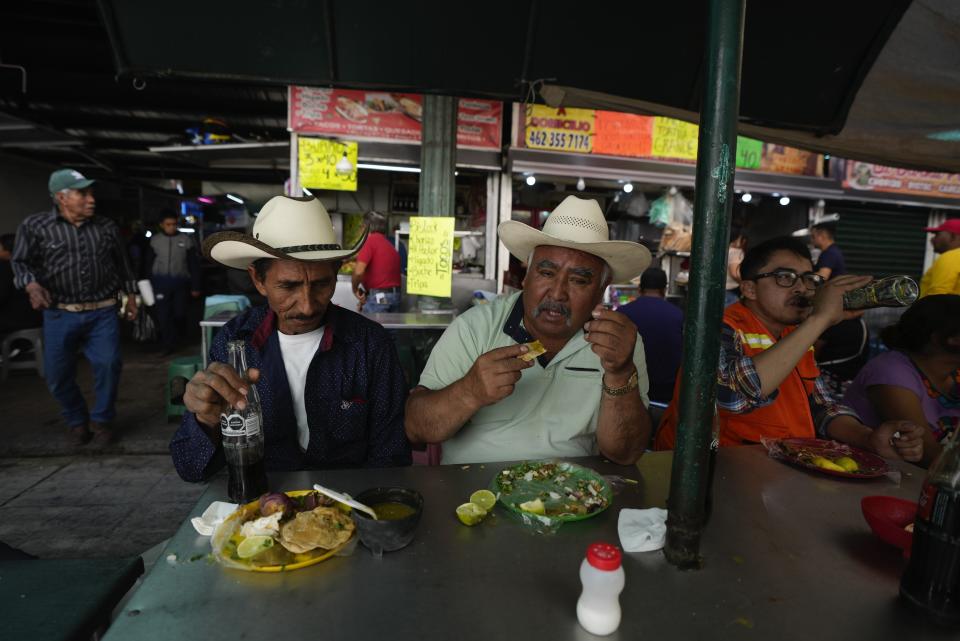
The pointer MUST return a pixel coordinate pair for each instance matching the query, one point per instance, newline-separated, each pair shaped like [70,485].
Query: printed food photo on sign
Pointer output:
[351,109]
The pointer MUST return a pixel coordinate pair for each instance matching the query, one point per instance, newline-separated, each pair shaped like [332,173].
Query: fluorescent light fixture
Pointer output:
[581,184]
[747,197]
[205,200]
[187,230]
[179,185]
[628,187]
[148,234]
[785,201]
[407,170]
[235,199]
[531,180]
[952,135]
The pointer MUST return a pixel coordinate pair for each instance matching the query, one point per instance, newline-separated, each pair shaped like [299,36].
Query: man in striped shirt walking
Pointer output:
[72,263]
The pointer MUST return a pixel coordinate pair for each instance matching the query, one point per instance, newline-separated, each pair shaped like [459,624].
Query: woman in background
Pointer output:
[919,379]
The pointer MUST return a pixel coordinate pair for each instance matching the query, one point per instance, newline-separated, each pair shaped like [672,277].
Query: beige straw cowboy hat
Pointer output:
[286,227]
[577,223]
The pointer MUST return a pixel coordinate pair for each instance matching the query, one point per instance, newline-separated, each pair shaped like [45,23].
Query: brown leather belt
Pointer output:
[86,307]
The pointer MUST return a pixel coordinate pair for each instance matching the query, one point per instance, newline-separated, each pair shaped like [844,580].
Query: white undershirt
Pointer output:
[297,351]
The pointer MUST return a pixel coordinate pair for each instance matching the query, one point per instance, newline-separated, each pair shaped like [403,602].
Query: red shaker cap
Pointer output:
[604,556]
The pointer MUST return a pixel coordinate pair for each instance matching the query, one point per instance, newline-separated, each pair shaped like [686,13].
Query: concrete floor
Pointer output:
[59,501]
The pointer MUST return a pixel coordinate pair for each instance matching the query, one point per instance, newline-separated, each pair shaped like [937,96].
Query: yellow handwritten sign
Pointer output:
[318,160]
[430,256]
[563,129]
[673,139]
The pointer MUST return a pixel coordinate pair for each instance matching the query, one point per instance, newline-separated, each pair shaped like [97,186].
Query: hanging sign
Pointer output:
[430,256]
[326,164]
[386,116]
[633,136]
[864,176]
[673,139]
[563,129]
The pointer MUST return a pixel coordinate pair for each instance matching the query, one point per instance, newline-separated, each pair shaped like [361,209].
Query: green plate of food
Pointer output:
[554,489]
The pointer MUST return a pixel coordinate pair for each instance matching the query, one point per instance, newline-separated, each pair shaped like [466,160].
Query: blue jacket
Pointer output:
[355,395]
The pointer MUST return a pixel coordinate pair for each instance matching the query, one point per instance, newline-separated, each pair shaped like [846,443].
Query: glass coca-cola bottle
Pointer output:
[893,291]
[932,578]
[242,436]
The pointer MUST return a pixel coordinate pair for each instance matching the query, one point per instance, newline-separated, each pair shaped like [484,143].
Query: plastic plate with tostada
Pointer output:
[284,531]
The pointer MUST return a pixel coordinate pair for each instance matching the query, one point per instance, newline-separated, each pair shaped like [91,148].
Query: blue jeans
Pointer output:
[97,335]
[391,302]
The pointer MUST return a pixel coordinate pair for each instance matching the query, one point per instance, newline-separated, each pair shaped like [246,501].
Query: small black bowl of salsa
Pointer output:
[398,512]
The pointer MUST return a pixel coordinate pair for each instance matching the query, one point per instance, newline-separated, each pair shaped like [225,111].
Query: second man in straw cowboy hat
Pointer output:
[586,394]
[330,383]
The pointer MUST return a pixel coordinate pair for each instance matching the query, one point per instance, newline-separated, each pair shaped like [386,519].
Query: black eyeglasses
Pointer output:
[787,278]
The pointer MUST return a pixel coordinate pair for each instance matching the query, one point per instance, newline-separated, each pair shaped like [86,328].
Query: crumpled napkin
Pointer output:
[213,516]
[642,530]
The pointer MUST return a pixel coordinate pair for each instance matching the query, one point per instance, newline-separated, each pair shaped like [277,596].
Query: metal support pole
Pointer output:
[438,162]
[716,158]
[438,156]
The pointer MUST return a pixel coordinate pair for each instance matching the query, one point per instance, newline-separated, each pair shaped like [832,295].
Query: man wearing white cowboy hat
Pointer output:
[330,384]
[485,401]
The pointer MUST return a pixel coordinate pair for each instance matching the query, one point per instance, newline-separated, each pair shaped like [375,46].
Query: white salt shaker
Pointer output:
[601,574]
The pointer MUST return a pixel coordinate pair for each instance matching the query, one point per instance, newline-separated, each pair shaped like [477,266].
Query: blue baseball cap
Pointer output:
[67,179]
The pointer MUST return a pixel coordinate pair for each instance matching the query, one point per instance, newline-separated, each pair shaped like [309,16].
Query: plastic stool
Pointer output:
[35,337]
[183,367]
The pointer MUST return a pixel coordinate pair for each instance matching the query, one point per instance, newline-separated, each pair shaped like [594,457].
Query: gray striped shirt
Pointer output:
[81,264]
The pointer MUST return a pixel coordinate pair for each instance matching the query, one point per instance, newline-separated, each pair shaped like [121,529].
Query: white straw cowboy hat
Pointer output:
[291,228]
[577,223]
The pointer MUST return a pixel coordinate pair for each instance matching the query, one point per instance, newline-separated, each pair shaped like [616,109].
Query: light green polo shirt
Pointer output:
[553,410]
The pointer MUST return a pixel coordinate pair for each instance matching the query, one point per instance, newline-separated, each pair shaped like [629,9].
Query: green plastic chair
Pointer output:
[182,367]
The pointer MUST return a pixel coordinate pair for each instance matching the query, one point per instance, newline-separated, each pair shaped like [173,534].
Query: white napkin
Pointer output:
[642,530]
[213,516]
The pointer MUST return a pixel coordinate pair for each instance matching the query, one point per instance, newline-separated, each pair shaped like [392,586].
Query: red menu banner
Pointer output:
[864,176]
[387,117]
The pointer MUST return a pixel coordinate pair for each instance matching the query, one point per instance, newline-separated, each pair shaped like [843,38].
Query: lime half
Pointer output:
[254,545]
[535,506]
[484,498]
[470,513]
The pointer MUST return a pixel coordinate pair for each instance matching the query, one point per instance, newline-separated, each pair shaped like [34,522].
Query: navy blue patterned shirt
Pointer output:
[354,398]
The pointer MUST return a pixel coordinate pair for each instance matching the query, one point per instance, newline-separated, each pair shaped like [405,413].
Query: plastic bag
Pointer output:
[660,215]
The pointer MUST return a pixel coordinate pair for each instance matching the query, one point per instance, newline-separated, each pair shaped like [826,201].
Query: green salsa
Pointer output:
[392,511]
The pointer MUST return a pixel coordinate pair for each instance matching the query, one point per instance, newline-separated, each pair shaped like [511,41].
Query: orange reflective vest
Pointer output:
[788,416]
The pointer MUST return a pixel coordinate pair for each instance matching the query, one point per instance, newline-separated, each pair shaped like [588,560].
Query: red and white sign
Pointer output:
[384,116]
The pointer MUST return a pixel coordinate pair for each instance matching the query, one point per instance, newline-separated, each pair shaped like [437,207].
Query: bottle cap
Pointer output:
[604,556]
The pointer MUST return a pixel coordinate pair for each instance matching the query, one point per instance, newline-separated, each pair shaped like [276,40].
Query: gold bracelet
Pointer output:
[632,384]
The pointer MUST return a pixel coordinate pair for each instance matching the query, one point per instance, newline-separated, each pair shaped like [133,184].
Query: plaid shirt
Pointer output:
[738,386]
[75,264]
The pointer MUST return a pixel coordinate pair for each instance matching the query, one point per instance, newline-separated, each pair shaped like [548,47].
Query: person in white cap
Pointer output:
[331,387]
[487,397]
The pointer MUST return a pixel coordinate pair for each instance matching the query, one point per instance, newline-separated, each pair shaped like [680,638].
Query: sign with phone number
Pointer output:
[559,129]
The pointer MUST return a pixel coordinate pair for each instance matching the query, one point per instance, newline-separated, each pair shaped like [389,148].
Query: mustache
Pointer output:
[552,306]
[800,301]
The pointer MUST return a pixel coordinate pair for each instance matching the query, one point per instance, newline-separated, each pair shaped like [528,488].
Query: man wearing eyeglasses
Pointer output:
[768,384]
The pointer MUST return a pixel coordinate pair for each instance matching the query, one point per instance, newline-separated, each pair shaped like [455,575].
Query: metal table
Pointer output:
[390,320]
[217,320]
[412,320]
[788,556]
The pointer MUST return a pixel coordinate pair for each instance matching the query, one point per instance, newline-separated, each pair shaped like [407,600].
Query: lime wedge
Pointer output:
[254,545]
[484,498]
[470,513]
[534,507]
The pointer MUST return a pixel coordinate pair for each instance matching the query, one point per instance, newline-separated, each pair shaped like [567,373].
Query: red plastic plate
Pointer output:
[801,451]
